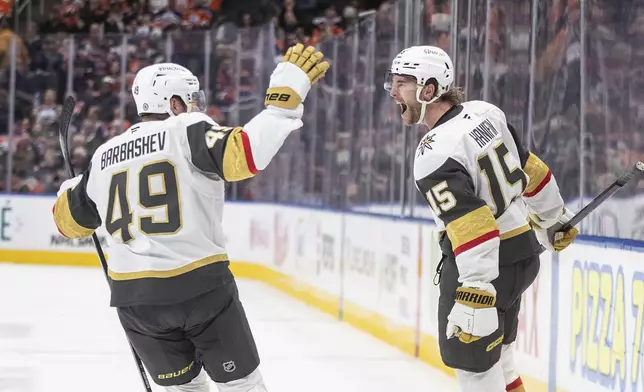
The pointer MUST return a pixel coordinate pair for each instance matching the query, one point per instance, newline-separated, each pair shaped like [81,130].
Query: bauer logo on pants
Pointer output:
[229,366]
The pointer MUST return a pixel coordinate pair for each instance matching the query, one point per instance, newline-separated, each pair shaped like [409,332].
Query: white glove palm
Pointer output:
[292,78]
[474,314]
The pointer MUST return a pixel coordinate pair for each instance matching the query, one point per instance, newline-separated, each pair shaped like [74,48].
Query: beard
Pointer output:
[410,112]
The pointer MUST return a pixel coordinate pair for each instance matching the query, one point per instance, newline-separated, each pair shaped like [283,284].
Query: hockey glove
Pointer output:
[69,184]
[552,238]
[292,79]
[474,314]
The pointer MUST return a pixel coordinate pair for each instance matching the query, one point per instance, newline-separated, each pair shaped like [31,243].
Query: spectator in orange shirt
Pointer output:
[199,16]
[327,26]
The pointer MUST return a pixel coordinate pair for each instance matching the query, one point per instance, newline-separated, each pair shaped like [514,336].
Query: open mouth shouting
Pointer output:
[403,108]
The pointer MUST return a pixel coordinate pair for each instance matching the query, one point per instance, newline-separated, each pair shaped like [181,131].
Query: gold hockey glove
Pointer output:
[552,238]
[292,79]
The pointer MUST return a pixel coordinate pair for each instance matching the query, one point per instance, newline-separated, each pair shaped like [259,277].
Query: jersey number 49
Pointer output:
[167,198]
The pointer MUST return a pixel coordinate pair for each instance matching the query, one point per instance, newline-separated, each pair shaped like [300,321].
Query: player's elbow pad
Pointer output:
[542,195]
[267,132]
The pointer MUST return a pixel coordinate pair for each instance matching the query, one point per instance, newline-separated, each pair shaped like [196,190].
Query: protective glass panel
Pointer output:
[611,137]
[568,75]
[197,102]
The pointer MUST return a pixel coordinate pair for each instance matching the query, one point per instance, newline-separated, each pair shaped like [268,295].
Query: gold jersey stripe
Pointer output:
[537,170]
[65,222]
[238,158]
[168,273]
[514,232]
[471,226]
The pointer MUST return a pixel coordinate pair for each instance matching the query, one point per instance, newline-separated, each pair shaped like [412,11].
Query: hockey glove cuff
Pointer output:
[552,238]
[474,314]
[292,79]
[69,184]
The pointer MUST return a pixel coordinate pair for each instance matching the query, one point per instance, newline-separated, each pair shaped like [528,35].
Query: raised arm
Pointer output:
[237,153]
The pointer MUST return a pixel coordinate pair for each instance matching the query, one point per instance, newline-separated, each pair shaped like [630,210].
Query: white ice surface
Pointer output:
[57,333]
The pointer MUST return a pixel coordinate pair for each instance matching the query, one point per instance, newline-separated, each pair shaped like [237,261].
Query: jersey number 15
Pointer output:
[442,200]
[167,198]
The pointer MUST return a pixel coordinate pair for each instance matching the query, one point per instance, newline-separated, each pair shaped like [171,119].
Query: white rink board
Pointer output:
[381,267]
[600,319]
[250,234]
[386,266]
[431,255]
[533,336]
[26,223]
[307,246]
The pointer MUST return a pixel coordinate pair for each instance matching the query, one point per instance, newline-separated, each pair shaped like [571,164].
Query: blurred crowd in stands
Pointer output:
[78,46]
[44,48]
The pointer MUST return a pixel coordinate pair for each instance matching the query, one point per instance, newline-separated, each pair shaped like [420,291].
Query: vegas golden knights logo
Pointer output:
[425,144]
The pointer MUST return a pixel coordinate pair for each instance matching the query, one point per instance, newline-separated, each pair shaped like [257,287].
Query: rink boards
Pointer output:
[581,321]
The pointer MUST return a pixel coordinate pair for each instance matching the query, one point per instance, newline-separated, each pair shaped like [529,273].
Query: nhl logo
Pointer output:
[145,106]
[229,366]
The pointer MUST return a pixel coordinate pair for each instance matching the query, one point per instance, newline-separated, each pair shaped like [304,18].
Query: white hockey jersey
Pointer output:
[158,189]
[478,180]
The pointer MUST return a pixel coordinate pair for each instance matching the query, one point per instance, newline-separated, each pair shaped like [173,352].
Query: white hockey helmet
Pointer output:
[423,63]
[154,85]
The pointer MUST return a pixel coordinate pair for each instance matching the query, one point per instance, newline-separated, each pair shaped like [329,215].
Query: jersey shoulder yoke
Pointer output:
[442,143]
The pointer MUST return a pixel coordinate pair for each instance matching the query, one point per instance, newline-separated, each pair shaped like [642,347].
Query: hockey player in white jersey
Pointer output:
[483,188]
[158,189]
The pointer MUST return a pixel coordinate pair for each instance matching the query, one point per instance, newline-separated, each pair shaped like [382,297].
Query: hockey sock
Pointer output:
[515,386]
[198,384]
[254,382]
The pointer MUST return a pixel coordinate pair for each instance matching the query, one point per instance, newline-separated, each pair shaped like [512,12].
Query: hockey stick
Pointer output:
[63,139]
[637,169]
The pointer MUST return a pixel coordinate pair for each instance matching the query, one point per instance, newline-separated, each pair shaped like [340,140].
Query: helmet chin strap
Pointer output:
[423,104]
